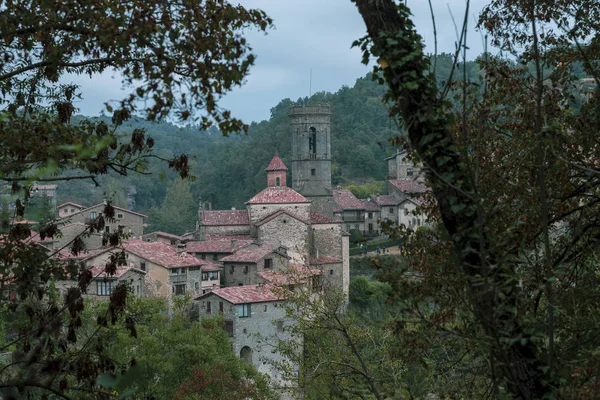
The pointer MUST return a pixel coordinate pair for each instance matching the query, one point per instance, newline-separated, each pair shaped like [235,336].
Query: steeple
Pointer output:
[276,172]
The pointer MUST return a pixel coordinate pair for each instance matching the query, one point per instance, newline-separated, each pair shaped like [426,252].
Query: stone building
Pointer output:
[74,223]
[163,237]
[310,129]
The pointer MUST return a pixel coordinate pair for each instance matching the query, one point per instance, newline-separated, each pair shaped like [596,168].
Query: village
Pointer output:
[237,262]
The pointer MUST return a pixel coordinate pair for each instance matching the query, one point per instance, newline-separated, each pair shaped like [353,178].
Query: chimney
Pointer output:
[233,243]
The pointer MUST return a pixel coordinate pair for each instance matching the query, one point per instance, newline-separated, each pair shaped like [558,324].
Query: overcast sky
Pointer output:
[308,34]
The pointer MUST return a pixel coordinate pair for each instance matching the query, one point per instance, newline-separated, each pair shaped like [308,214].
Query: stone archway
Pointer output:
[246,354]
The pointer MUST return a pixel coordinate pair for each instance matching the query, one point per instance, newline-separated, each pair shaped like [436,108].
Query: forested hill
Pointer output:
[230,170]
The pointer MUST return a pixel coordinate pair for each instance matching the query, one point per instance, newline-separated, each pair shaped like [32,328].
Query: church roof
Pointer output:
[370,205]
[278,195]
[276,164]
[216,246]
[408,185]
[347,200]
[277,214]
[227,217]
[318,218]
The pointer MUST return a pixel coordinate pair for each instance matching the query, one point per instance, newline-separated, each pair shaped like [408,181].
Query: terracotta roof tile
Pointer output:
[318,218]
[162,254]
[278,195]
[370,205]
[387,200]
[325,260]
[247,294]
[347,200]
[72,204]
[216,246]
[164,234]
[252,253]
[409,185]
[276,164]
[227,217]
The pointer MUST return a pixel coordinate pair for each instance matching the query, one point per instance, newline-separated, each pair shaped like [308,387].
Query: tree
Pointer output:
[177,58]
[177,213]
[515,181]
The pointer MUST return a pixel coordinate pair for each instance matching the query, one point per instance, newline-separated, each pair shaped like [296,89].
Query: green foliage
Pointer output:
[368,189]
[177,214]
[356,236]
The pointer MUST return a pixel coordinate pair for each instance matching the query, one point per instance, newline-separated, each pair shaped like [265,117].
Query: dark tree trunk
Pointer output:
[429,125]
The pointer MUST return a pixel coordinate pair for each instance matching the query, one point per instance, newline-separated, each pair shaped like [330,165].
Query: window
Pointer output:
[406,211]
[194,269]
[409,172]
[391,210]
[179,289]
[182,271]
[174,271]
[107,229]
[196,285]
[278,181]
[103,288]
[312,140]
[119,216]
[214,257]
[245,269]
[208,308]
[244,310]
[370,227]
[213,276]
[72,210]
[347,227]
[228,327]
[205,276]
[330,272]
[313,172]
[143,266]
[221,307]
[370,215]
[93,214]
[265,308]
[203,256]
[231,270]
[268,263]
[356,227]
[121,228]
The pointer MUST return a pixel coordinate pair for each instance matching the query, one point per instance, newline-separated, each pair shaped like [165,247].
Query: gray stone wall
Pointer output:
[326,240]
[130,223]
[260,332]
[371,218]
[69,232]
[345,265]
[290,233]
[235,274]
[224,230]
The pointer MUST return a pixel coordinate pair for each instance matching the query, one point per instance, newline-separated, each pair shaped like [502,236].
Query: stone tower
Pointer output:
[311,154]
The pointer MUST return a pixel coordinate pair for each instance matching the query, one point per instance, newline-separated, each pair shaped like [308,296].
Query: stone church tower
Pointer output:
[311,154]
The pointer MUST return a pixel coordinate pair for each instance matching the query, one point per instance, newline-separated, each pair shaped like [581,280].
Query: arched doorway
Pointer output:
[246,354]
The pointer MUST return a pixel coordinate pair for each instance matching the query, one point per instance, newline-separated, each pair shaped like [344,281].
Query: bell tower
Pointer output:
[311,154]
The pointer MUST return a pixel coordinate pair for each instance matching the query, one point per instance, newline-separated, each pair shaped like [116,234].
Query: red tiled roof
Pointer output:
[252,253]
[419,201]
[164,234]
[325,260]
[276,164]
[98,271]
[247,294]
[370,205]
[161,254]
[387,200]
[188,234]
[278,195]
[318,218]
[347,200]
[210,267]
[296,274]
[277,214]
[409,185]
[216,246]
[227,217]
[71,203]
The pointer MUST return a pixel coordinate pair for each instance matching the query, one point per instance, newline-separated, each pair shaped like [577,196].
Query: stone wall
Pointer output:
[70,231]
[223,230]
[326,240]
[128,221]
[346,265]
[288,232]
[235,274]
